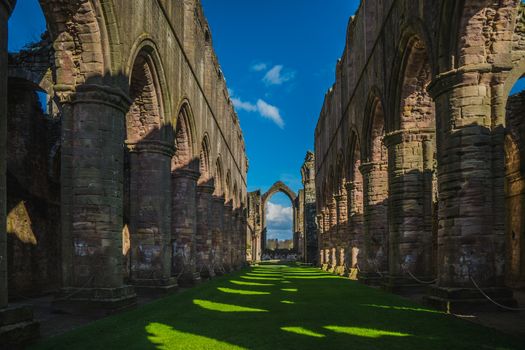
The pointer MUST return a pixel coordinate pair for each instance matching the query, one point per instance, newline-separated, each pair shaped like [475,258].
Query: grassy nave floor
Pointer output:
[282,307]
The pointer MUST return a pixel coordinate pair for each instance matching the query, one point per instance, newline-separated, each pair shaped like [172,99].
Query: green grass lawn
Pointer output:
[282,307]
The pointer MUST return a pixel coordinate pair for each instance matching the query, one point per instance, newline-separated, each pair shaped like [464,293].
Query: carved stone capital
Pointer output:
[454,78]
[205,188]
[367,168]
[186,173]
[95,94]
[349,186]
[409,135]
[218,199]
[151,146]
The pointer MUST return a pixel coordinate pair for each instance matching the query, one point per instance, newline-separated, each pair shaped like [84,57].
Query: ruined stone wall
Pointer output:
[420,94]
[33,195]
[309,209]
[147,184]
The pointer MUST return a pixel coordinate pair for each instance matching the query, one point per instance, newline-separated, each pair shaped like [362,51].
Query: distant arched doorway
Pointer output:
[281,187]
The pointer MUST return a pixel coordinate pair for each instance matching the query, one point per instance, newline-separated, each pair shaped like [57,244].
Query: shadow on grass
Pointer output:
[296,308]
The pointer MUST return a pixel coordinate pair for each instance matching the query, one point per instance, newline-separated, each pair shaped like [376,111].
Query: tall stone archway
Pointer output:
[279,186]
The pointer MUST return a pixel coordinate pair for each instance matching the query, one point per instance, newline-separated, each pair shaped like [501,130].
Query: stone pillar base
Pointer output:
[189,279]
[17,327]
[340,270]
[352,274]
[325,267]
[207,272]
[370,278]
[458,300]
[155,287]
[227,268]
[219,271]
[98,301]
[405,285]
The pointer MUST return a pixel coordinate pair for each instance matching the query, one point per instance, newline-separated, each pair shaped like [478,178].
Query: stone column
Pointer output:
[227,236]
[326,238]
[150,217]
[92,199]
[375,242]
[235,239]
[342,231]
[471,238]
[332,233]
[184,226]
[217,223]
[355,221]
[320,236]
[16,323]
[410,208]
[204,231]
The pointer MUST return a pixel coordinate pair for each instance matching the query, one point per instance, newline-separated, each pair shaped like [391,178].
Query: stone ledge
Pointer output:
[405,285]
[12,315]
[99,301]
[189,279]
[18,335]
[370,278]
[155,287]
[458,300]
[17,327]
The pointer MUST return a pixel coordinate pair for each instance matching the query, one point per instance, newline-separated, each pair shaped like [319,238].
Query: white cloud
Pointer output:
[278,214]
[279,221]
[242,105]
[258,67]
[276,76]
[271,112]
[264,109]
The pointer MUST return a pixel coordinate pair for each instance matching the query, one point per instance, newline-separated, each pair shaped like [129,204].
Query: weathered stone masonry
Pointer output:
[133,177]
[420,129]
[304,216]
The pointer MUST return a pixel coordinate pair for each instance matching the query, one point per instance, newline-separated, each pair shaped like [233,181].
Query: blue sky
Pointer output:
[278,57]
[280,54]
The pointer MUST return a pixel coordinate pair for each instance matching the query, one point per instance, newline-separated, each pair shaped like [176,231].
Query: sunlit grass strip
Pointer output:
[405,308]
[287,302]
[255,284]
[302,331]
[210,305]
[289,289]
[313,277]
[365,332]
[241,291]
[261,278]
[264,274]
[165,337]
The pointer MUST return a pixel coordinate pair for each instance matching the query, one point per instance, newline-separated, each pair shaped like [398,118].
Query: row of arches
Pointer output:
[413,185]
[115,190]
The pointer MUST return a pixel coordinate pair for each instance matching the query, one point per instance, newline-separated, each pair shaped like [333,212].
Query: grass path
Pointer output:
[280,307]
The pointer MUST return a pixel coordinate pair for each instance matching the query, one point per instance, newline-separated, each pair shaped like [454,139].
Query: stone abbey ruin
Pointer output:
[132,179]
[419,150]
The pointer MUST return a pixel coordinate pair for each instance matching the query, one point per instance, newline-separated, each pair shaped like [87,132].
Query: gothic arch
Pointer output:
[411,104]
[146,113]
[279,186]
[219,177]
[184,139]
[374,129]
[204,161]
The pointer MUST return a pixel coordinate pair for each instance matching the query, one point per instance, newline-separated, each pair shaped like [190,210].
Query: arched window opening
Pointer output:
[279,235]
